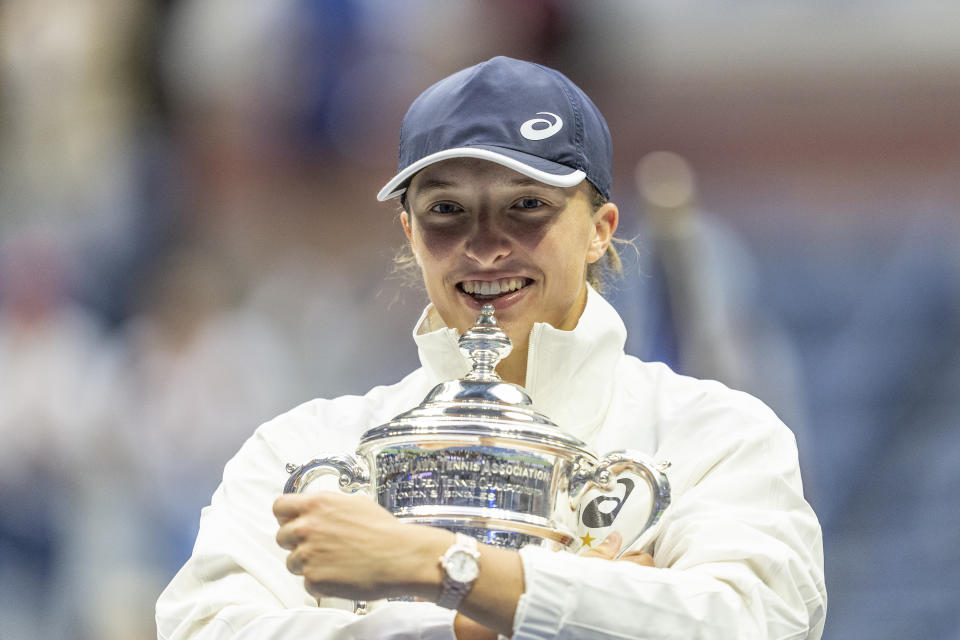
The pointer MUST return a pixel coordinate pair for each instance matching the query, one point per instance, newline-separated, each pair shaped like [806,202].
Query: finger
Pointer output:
[606,549]
[295,564]
[287,507]
[638,557]
[313,589]
[289,536]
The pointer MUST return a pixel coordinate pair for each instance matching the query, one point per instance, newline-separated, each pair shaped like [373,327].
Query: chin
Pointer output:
[517,331]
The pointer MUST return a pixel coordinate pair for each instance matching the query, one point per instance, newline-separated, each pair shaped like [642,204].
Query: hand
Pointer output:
[350,547]
[466,629]
[611,545]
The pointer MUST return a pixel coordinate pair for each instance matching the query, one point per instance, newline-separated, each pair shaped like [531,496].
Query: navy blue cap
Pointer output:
[521,115]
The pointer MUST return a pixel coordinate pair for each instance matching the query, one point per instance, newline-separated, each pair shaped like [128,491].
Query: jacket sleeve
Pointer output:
[738,554]
[235,584]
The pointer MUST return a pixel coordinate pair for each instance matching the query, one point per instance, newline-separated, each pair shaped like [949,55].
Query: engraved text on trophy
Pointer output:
[487,477]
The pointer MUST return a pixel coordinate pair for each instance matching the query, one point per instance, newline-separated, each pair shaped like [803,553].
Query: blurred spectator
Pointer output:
[54,400]
[192,374]
[275,118]
[74,140]
[199,374]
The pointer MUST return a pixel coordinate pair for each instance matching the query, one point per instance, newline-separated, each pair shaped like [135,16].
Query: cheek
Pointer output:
[568,254]
[531,235]
[434,246]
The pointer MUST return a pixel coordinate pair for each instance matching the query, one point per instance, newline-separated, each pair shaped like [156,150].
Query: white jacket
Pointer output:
[738,554]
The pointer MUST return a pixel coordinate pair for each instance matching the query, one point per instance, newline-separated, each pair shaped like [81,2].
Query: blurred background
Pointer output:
[190,244]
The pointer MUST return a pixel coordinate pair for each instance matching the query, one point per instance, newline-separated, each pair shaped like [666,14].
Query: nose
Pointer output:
[487,242]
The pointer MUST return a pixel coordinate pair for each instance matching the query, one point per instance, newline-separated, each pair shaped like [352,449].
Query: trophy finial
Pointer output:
[485,344]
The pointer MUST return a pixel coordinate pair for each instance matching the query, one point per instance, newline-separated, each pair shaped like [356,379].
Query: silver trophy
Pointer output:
[476,458]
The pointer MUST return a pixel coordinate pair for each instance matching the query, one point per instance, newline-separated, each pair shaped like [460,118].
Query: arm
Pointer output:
[738,556]
[351,547]
[235,585]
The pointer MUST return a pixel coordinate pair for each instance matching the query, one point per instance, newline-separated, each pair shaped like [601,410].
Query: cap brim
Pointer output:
[541,170]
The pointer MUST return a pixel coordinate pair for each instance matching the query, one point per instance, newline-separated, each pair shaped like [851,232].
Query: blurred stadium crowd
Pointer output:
[190,244]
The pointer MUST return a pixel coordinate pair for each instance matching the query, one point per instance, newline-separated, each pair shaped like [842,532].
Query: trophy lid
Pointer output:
[480,404]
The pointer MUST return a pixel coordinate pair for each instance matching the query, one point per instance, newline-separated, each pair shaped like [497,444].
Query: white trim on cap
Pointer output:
[390,190]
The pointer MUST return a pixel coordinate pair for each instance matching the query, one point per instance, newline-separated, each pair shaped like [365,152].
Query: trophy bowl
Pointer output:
[476,458]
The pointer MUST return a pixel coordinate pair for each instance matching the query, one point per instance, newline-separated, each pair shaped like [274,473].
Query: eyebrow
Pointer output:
[431,184]
[524,181]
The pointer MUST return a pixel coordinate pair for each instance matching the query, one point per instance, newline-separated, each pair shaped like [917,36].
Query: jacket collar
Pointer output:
[570,374]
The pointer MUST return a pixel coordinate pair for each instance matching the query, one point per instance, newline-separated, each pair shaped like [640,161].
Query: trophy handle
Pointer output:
[627,463]
[354,476]
[353,472]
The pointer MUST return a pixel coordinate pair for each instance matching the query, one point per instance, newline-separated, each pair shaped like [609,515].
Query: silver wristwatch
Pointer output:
[461,566]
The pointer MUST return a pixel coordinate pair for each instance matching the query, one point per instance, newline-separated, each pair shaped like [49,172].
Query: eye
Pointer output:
[529,203]
[445,208]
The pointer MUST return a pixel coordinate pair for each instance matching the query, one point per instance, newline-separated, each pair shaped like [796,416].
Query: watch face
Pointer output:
[462,567]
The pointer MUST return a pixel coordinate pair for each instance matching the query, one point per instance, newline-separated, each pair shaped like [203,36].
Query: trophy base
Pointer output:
[509,533]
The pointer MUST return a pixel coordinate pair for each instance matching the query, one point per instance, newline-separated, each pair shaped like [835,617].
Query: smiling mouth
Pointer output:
[485,290]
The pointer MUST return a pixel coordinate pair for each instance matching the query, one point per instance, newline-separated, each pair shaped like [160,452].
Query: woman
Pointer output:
[504,176]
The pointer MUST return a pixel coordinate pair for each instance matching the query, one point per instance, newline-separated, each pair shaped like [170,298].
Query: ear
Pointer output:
[408,231]
[405,221]
[605,221]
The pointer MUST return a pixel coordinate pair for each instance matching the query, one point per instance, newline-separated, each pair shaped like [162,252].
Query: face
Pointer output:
[483,233]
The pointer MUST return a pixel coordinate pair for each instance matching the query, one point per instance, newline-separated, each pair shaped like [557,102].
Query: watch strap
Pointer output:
[452,592]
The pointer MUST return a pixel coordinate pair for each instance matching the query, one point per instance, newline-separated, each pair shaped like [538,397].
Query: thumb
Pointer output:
[606,549]
[612,542]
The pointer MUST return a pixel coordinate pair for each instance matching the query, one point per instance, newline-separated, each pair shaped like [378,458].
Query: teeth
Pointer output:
[493,287]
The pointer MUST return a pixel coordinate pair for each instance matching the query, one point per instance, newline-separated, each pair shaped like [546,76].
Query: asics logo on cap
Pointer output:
[528,131]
